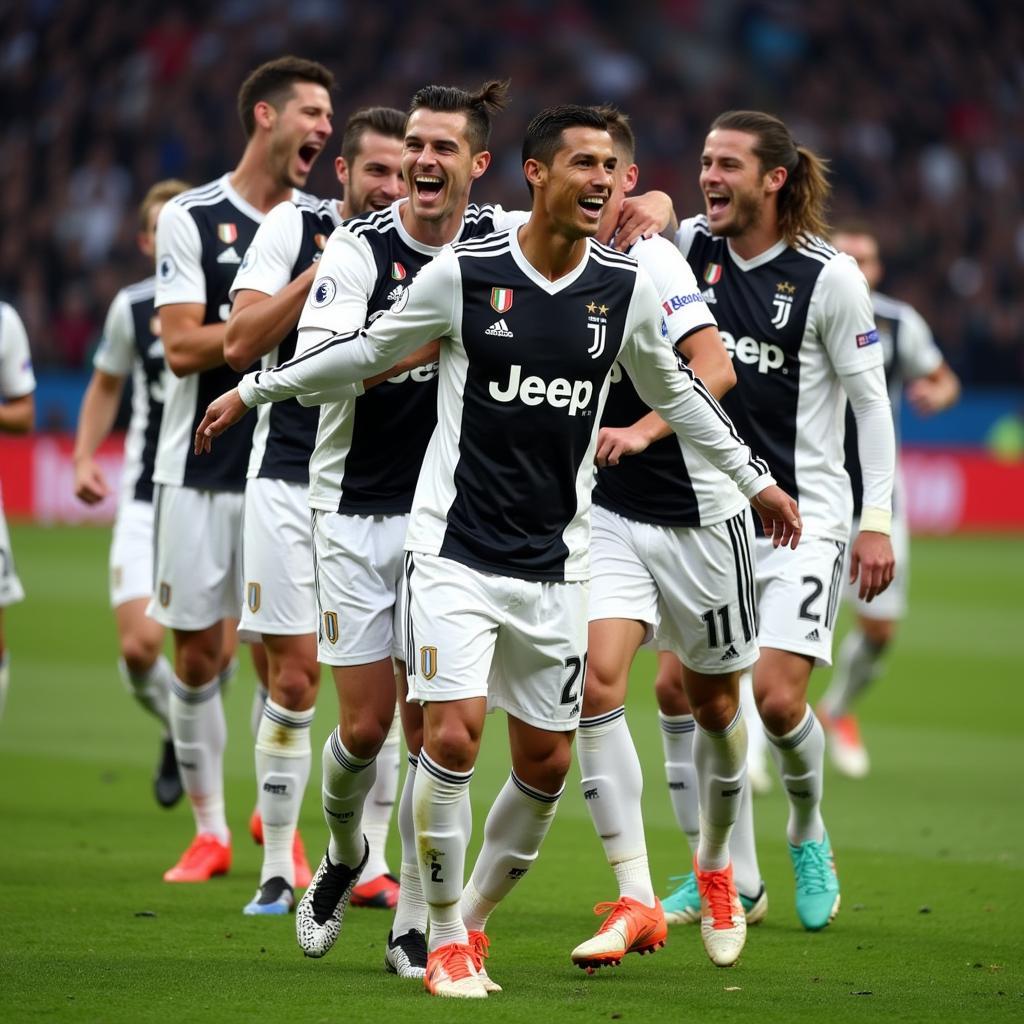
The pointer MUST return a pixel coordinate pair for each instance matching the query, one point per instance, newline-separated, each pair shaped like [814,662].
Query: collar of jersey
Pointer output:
[241,205]
[760,259]
[420,247]
[551,287]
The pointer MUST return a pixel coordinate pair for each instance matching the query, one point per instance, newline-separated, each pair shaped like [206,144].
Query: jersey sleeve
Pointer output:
[505,219]
[918,353]
[116,352]
[179,258]
[681,399]
[843,318]
[684,236]
[683,307]
[16,377]
[268,262]
[425,311]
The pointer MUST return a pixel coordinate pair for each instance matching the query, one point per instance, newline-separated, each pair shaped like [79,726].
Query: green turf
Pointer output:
[929,848]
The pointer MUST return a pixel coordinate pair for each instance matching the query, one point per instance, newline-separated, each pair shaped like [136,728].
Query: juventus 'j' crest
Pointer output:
[783,303]
[428,662]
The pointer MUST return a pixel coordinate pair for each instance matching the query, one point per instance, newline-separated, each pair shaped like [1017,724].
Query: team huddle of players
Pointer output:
[489,463]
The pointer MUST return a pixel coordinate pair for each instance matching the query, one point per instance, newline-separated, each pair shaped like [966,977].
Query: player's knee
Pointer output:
[669,690]
[296,685]
[715,711]
[196,664]
[139,653]
[453,744]
[780,712]
[878,632]
[362,734]
[602,691]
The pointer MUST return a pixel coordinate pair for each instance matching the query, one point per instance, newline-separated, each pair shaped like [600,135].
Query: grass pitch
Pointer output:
[930,848]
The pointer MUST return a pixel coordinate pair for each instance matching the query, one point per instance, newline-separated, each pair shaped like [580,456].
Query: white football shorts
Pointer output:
[198,564]
[279,595]
[693,586]
[891,604]
[358,572]
[521,644]
[131,553]
[798,595]
[11,591]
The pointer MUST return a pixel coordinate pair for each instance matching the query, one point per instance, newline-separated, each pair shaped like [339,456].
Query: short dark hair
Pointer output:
[382,120]
[479,107]
[544,133]
[803,199]
[620,129]
[272,83]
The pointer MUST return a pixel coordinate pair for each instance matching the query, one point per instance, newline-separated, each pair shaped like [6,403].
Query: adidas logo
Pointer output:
[813,635]
[731,653]
[708,295]
[229,256]
[395,294]
[499,329]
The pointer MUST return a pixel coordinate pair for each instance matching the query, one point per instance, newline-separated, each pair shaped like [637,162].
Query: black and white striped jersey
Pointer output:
[369,448]
[16,376]
[909,351]
[794,319]
[201,239]
[131,345]
[291,238]
[506,481]
[667,484]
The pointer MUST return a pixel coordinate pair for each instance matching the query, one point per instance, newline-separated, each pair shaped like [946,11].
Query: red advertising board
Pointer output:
[946,490]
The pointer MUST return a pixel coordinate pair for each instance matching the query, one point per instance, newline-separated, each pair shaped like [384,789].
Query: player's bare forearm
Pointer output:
[645,216]
[95,421]
[614,443]
[423,356]
[221,414]
[17,415]
[190,346]
[708,359]
[872,563]
[937,391]
[260,322]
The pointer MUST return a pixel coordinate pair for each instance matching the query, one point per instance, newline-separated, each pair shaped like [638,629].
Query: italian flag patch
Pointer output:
[713,274]
[501,299]
[227,233]
[397,271]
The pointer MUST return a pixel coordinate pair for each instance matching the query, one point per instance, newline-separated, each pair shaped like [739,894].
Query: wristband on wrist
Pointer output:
[877,520]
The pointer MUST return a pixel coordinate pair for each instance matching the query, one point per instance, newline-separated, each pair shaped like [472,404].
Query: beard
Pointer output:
[746,214]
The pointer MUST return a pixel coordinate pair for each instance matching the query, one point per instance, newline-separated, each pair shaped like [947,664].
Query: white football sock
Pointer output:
[346,781]
[757,741]
[857,666]
[260,696]
[437,798]
[200,735]
[282,769]
[746,872]
[800,755]
[380,802]
[152,688]
[411,909]
[721,760]
[677,735]
[516,825]
[613,786]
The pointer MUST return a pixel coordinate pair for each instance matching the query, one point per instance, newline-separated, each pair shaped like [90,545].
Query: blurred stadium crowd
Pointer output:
[920,107]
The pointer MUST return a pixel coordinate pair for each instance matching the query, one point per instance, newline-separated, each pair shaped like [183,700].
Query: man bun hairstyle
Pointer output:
[479,107]
[383,120]
[272,83]
[803,199]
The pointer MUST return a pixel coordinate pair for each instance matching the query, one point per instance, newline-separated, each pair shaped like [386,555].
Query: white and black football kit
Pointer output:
[499,533]
[16,381]
[910,352]
[797,322]
[202,236]
[672,536]
[369,448]
[131,344]
[277,549]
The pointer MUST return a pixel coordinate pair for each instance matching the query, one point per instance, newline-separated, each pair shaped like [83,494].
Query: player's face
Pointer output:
[733,184]
[374,180]
[580,181]
[147,236]
[864,249]
[625,179]
[299,133]
[437,164]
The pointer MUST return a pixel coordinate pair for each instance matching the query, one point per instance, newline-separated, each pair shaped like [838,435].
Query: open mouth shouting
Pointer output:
[718,204]
[428,187]
[307,154]
[592,205]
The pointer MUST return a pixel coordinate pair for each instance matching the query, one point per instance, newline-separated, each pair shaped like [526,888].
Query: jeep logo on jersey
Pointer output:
[227,233]
[783,303]
[323,292]
[760,353]
[501,299]
[418,375]
[558,393]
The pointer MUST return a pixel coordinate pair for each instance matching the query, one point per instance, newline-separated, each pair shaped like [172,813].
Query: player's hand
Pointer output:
[91,485]
[871,559]
[780,516]
[614,442]
[926,396]
[221,413]
[642,217]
